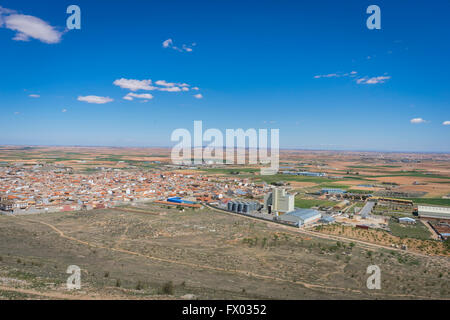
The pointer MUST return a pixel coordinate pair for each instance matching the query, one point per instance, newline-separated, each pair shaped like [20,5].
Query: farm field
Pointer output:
[418,231]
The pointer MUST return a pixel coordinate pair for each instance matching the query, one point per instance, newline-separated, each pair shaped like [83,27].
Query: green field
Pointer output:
[370,167]
[334,185]
[432,201]
[286,177]
[416,174]
[360,191]
[418,231]
[308,203]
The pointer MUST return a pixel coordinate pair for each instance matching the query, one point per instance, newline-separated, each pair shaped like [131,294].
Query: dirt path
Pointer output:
[122,237]
[56,295]
[311,286]
[134,211]
[434,235]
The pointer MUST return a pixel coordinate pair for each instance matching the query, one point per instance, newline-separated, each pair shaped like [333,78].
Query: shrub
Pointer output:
[139,285]
[168,288]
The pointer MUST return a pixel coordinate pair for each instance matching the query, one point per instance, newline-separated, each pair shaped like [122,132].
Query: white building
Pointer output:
[433,212]
[279,201]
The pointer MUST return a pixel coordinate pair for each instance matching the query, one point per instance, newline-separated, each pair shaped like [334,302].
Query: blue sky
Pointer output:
[309,68]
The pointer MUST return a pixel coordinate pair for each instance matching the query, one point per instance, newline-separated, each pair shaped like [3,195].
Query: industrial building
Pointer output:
[180,200]
[305,173]
[243,206]
[299,217]
[332,191]
[279,201]
[327,219]
[441,227]
[431,212]
[406,220]
[179,204]
[381,200]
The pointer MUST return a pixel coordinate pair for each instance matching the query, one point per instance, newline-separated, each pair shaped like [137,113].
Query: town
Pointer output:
[43,186]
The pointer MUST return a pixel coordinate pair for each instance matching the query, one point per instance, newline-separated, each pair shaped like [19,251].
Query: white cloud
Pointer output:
[417,120]
[170,89]
[198,96]
[133,84]
[131,96]
[184,48]
[196,88]
[64,110]
[141,96]
[171,86]
[372,80]
[167,43]
[330,75]
[28,27]
[164,83]
[95,99]
[34,96]
[336,75]
[446,123]
[160,85]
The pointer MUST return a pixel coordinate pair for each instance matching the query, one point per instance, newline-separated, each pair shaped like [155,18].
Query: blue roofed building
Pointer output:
[327,219]
[332,191]
[300,217]
[407,220]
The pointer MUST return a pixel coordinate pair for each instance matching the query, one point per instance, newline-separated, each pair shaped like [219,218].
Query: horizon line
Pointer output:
[169,147]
